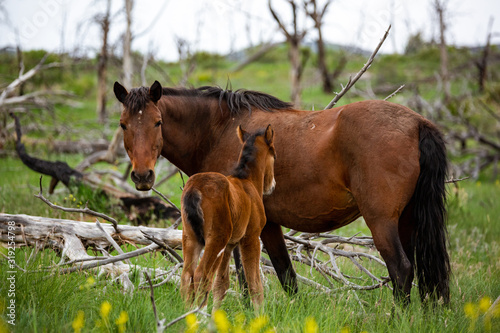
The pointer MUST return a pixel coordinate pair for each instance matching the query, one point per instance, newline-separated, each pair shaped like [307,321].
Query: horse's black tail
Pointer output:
[191,204]
[430,236]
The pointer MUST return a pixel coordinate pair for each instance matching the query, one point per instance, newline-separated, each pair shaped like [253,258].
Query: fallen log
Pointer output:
[73,238]
[45,232]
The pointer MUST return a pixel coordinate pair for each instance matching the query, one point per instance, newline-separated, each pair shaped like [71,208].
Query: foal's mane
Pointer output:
[237,101]
[248,156]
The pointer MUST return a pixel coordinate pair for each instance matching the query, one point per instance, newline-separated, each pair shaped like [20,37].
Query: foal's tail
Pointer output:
[430,235]
[191,202]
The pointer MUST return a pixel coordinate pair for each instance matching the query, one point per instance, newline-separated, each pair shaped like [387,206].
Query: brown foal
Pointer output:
[221,212]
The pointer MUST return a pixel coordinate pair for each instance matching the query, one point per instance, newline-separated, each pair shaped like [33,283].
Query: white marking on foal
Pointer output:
[140,114]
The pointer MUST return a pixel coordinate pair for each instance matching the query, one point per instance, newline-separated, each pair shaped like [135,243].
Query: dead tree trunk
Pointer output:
[440,8]
[102,65]
[127,44]
[482,65]
[43,231]
[294,39]
[317,16]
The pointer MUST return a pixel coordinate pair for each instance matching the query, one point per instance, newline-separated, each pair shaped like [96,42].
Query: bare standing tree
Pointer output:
[482,64]
[440,9]
[127,42]
[317,15]
[104,20]
[294,39]
[117,140]
[187,61]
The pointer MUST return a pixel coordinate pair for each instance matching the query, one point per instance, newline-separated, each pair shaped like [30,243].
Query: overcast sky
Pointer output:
[226,25]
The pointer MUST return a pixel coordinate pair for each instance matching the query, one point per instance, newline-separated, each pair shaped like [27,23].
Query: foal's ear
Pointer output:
[269,134]
[155,91]
[120,92]
[242,134]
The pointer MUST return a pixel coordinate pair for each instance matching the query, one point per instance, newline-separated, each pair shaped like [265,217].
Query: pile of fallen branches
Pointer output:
[72,239]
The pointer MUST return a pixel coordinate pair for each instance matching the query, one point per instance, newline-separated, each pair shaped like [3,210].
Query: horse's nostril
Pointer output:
[150,177]
[133,175]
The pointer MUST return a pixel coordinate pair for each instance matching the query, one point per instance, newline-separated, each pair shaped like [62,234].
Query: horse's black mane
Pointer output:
[247,156]
[237,101]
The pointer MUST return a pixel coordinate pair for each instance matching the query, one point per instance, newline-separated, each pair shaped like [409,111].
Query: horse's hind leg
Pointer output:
[405,229]
[386,238]
[209,263]
[250,253]
[191,249]
[221,283]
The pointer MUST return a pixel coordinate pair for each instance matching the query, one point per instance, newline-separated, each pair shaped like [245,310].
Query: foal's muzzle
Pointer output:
[143,181]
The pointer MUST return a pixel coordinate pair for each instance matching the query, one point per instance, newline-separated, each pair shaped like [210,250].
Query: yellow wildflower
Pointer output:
[484,304]
[122,321]
[88,284]
[257,324]
[345,329]
[471,311]
[79,322]
[221,322]
[191,323]
[311,325]
[105,309]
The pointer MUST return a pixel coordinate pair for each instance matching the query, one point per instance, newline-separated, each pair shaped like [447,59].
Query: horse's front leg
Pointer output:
[272,237]
[240,272]
[250,255]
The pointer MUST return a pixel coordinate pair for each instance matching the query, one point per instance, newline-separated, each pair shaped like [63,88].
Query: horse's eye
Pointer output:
[158,124]
[123,126]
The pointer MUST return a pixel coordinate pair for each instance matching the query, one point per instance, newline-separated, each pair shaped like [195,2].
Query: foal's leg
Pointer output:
[250,253]
[221,283]
[209,263]
[191,250]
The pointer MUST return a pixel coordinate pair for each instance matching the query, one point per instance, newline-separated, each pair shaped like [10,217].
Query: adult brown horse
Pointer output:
[221,213]
[373,159]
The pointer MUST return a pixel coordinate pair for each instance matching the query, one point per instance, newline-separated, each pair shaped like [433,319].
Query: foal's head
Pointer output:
[258,149]
[142,136]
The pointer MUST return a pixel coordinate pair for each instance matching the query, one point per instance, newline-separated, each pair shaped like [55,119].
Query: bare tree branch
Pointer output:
[352,81]
[85,210]
[160,323]
[394,93]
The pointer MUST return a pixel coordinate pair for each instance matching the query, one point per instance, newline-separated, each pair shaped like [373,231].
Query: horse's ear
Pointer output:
[155,91]
[120,92]
[269,134]
[242,134]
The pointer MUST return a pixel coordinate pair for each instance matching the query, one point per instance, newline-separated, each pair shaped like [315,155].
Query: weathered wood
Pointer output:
[73,238]
[42,231]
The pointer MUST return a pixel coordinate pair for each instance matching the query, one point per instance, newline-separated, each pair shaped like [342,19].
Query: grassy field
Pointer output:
[50,302]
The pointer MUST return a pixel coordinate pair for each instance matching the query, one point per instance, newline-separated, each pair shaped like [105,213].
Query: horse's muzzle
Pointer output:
[143,181]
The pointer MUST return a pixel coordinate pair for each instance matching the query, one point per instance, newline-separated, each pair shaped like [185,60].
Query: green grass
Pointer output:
[48,302]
